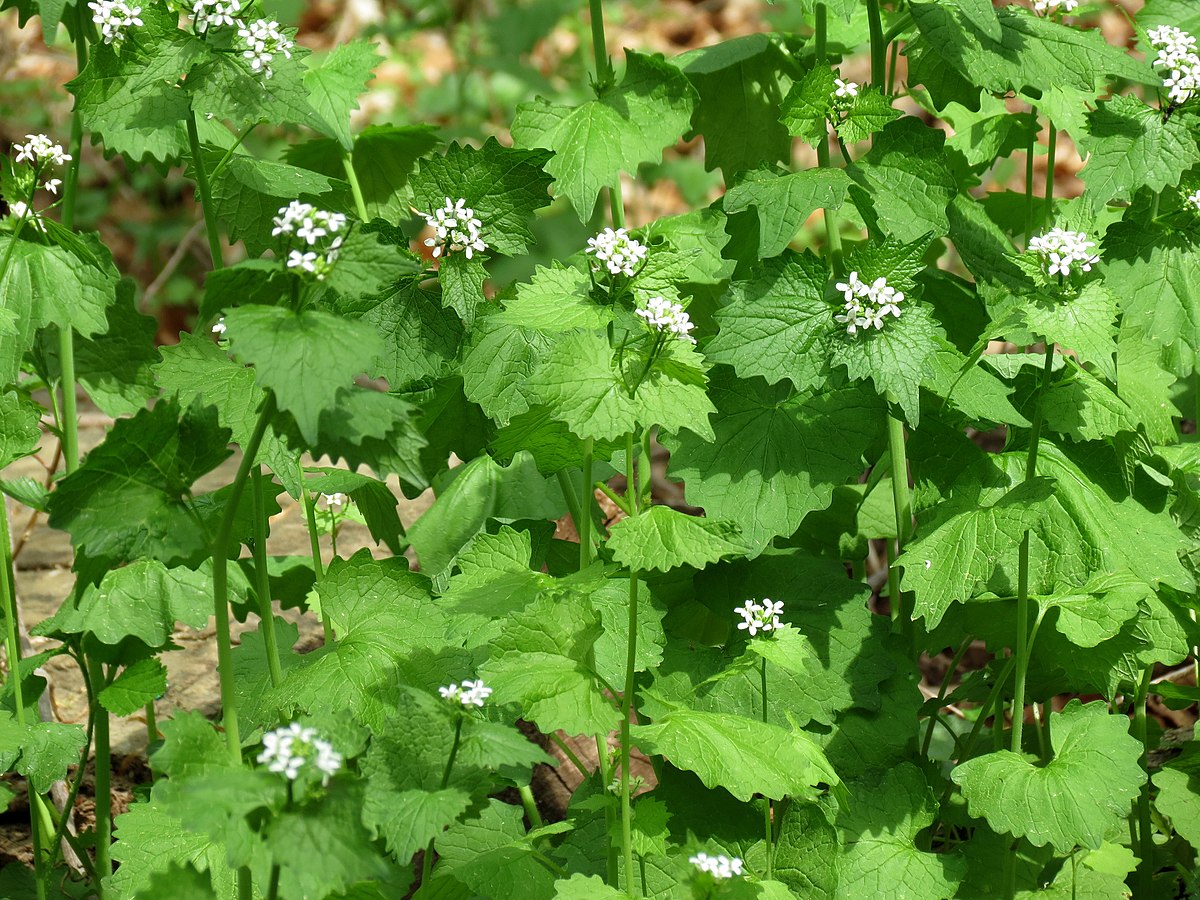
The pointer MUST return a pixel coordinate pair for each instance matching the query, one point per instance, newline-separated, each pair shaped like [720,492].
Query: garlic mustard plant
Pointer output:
[115,18]
[867,305]
[469,693]
[211,14]
[721,867]
[758,617]
[292,750]
[667,317]
[317,230]
[618,253]
[1063,252]
[1051,7]
[456,229]
[263,40]
[1177,62]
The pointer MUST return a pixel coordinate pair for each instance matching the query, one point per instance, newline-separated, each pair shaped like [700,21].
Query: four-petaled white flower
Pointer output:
[1048,7]
[620,253]
[470,693]
[19,210]
[663,315]
[455,228]
[208,14]
[844,90]
[39,149]
[263,40]
[867,305]
[220,328]
[290,750]
[333,501]
[758,617]
[312,226]
[115,18]
[720,867]
[1178,60]
[1062,250]
[1194,199]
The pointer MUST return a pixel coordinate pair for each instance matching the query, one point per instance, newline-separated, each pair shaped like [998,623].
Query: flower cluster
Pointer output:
[39,151]
[263,41]
[760,616]
[1050,7]
[313,226]
[663,315]
[1194,199]
[1060,250]
[720,867]
[1178,61]
[455,228]
[620,253]
[115,18]
[290,750]
[208,14]
[471,693]
[18,210]
[220,328]
[867,305]
[844,94]
[332,502]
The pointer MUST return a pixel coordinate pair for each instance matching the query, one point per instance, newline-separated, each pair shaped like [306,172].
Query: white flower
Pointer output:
[115,18]
[220,328]
[1194,199]
[844,89]
[332,501]
[208,14]
[1062,250]
[19,210]
[39,149]
[455,228]
[263,41]
[758,617]
[1176,56]
[721,867]
[312,226]
[1046,7]
[289,750]
[618,251]
[867,305]
[52,184]
[663,315]
[471,693]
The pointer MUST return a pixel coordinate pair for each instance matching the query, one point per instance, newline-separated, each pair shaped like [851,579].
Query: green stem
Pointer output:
[427,863]
[273,884]
[1024,639]
[220,555]
[891,78]
[314,546]
[70,417]
[266,611]
[1029,153]
[768,831]
[586,501]
[1145,869]
[1051,151]
[611,863]
[902,25]
[604,67]
[832,233]
[530,805]
[151,724]
[903,506]
[949,676]
[878,45]
[613,496]
[355,187]
[8,599]
[71,181]
[570,755]
[103,759]
[631,496]
[206,204]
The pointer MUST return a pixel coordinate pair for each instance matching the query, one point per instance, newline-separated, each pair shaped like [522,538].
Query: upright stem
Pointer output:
[1051,152]
[206,205]
[151,724]
[266,612]
[1029,152]
[878,44]
[631,495]
[768,830]
[530,805]
[314,546]
[1024,639]
[1145,869]
[103,761]
[604,68]
[427,863]
[8,599]
[832,234]
[220,554]
[949,676]
[903,505]
[355,187]
[584,525]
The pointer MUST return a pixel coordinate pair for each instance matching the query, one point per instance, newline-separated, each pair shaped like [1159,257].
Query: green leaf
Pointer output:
[808,106]
[971,389]
[129,497]
[373,499]
[726,751]
[783,203]
[150,839]
[539,660]
[334,86]
[499,358]
[462,281]
[1079,797]
[47,750]
[1179,801]
[20,427]
[904,184]
[45,285]
[373,259]
[957,551]
[581,382]
[984,135]
[180,882]
[493,856]
[777,454]
[142,683]
[224,87]
[585,887]
[1097,610]
[555,300]
[1083,323]
[197,371]
[869,114]
[504,186]
[1084,408]
[740,84]
[806,851]
[305,358]
[661,539]
[880,856]
[1031,52]
[629,123]
[385,156]
[115,367]
[1130,146]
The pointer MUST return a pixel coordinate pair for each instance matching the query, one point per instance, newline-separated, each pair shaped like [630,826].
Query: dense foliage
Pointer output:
[813,399]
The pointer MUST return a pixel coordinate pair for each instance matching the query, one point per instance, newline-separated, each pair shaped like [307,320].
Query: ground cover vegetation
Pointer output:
[814,396]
